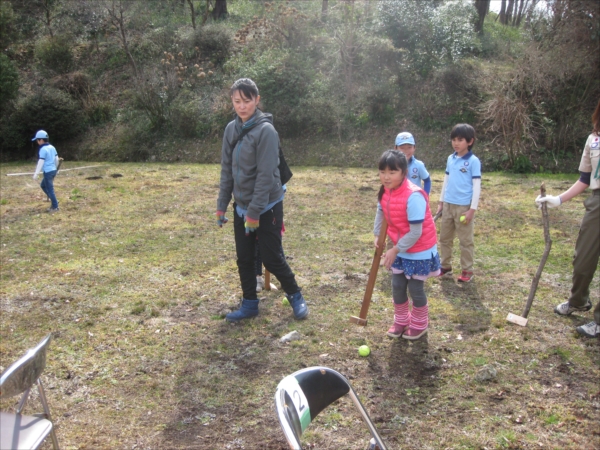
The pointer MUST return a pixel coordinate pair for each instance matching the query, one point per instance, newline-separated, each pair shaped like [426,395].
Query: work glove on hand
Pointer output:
[251,225]
[221,219]
[551,201]
[35,176]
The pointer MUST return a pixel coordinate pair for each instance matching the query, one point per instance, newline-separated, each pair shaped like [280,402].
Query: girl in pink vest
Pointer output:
[414,257]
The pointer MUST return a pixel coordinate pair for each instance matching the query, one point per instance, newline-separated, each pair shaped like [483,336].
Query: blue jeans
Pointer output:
[47,186]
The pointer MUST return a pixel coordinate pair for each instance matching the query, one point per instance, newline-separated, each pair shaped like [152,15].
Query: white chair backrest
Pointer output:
[301,396]
[23,374]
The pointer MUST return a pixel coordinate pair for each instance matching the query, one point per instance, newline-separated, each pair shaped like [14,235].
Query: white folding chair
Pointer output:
[301,396]
[18,431]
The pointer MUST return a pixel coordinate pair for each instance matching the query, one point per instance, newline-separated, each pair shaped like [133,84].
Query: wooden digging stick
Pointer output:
[268,285]
[522,319]
[362,318]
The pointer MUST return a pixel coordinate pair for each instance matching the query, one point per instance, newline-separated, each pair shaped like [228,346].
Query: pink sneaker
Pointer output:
[445,272]
[396,331]
[413,334]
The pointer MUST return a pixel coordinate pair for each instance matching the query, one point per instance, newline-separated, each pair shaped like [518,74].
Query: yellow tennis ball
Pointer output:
[463,219]
[364,350]
[285,301]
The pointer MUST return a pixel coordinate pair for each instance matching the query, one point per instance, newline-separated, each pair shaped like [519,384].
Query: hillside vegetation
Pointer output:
[147,80]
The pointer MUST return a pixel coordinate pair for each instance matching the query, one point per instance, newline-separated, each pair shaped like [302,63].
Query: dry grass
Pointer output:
[132,275]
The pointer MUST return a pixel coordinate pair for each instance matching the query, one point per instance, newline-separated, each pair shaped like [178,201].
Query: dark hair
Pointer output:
[465,131]
[246,86]
[596,119]
[393,160]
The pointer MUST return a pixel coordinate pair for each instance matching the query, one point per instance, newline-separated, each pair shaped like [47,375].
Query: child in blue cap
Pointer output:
[48,163]
[417,172]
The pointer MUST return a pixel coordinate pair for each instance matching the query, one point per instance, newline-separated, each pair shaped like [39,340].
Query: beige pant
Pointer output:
[452,227]
[587,253]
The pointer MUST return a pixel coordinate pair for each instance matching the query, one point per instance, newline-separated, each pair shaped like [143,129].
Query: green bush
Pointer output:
[8,31]
[500,40]
[154,97]
[214,41]
[76,84]
[186,118]
[48,109]
[98,112]
[433,33]
[286,83]
[380,104]
[522,164]
[9,81]
[54,54]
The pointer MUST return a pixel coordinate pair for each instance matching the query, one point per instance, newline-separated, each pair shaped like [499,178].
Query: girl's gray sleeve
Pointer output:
[378,220]
[226,183]
[410,238]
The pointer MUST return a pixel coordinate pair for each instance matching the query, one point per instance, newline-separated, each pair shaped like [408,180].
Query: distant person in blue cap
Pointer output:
[48,163]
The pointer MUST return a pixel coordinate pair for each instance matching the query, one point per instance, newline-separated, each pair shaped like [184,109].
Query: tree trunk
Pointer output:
[530,11]
[324,8]
[502,14]
[509,11]
[191,3]
[116,17]
[48,15]
[220,10]
[482,7]
[519,16]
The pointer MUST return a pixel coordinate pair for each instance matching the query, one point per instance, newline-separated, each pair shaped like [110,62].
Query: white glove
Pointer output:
[36,175]
[551,201]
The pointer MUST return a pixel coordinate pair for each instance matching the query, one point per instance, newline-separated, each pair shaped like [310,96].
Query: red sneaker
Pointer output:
[466,277]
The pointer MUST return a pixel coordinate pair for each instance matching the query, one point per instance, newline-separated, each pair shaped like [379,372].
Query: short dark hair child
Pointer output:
[465,131]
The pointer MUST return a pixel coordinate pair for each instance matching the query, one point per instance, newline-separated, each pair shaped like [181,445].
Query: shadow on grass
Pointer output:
[471,315]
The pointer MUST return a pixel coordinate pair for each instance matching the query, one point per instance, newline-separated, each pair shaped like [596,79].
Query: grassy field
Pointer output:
[132,277]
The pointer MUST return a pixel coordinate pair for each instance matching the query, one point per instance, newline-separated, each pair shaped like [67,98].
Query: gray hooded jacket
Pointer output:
[250,171]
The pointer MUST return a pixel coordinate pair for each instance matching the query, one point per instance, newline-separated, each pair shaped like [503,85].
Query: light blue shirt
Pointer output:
[242,212]
[461,171]
[415,211]
[48,153]
[417,171]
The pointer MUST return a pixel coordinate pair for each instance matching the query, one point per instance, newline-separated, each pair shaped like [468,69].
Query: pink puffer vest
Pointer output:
[394,209]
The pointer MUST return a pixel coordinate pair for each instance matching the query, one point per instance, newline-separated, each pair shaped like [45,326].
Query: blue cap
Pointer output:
[405,138]
[41,134]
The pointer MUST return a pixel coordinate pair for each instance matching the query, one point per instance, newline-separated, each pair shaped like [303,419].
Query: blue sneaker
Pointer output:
[298,305]
[249,308]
